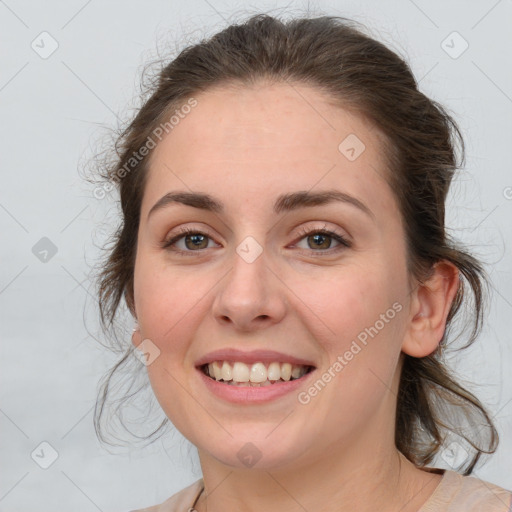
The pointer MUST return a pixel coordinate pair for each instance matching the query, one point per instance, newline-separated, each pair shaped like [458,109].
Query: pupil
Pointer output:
[320,236]
[194,239]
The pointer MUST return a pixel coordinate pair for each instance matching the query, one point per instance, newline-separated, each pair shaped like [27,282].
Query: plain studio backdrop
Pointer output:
[68,71]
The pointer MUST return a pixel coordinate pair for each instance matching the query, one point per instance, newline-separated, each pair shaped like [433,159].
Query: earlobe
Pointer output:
[430,305]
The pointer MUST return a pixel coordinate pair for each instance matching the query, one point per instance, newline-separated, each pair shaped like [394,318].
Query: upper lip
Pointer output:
[251,357]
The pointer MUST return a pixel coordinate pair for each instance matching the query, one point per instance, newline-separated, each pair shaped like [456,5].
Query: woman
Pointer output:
[284,254]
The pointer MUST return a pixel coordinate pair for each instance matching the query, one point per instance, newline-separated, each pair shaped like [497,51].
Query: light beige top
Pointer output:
[454,493]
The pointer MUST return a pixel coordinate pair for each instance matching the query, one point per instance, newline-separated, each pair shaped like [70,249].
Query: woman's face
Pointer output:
[254,281]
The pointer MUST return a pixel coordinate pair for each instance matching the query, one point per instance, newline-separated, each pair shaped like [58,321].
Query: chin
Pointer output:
[254,452]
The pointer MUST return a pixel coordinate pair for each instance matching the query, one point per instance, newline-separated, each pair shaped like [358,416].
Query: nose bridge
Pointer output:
[250,291]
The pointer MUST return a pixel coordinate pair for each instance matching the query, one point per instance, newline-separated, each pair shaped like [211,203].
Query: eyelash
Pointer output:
[344,243]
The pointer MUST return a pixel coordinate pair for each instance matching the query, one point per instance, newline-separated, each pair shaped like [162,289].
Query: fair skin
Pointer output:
[245,148]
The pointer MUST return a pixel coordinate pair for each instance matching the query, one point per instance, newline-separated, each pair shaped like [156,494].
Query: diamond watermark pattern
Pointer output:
[454,454]
[351,147]
[249,249]
[249,455]
[44,455]
[44,45]
[44,250]
[146,352]
[454,45]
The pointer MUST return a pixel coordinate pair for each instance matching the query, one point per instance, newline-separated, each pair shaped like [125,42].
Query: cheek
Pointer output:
[170,305]
[167,300]
[369,337]
[341,303]
[360,354]
[359,323]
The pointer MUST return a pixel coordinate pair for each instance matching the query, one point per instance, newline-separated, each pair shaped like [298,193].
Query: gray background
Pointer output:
[55,109]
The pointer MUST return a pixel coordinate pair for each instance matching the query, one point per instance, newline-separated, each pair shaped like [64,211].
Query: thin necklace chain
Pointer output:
[197,499]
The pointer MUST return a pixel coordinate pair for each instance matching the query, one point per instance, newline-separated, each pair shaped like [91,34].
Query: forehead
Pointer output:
[265,140]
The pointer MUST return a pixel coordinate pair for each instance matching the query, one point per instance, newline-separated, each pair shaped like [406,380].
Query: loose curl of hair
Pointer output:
[335,56]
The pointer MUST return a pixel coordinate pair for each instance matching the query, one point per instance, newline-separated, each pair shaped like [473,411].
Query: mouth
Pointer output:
[258,374]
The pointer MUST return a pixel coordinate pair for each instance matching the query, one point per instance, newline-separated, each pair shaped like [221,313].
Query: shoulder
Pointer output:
[459,493]
[182,501]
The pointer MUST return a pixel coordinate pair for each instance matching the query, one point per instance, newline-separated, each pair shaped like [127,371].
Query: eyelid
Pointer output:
[308,230]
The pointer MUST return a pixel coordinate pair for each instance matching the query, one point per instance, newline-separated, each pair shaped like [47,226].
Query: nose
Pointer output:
[250,296]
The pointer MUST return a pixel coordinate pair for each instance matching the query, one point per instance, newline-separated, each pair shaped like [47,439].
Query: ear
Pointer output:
[430,305]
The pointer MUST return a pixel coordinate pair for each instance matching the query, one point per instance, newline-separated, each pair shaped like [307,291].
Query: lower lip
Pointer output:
[250,394]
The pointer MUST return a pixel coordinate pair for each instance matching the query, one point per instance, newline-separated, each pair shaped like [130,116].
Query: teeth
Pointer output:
[217,370]
[286,371]
[240,372]
[258,372]
[296,372]
[226,372]
[255,375]
[274,371]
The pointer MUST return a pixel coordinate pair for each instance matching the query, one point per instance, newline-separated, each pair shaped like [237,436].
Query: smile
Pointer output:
[253,377]
[258,374]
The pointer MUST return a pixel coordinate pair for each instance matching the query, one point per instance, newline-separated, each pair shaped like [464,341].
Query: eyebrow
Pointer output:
[284,203]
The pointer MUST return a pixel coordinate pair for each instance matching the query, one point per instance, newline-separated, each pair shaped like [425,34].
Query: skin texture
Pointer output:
[245,147]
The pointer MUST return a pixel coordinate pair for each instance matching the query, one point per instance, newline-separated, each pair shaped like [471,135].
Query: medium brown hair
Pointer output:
[335,56]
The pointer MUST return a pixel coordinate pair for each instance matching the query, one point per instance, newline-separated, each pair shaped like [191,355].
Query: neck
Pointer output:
[339,484]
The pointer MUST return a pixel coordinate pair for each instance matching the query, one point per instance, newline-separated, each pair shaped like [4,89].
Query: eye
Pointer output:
[195,241]
[321,239]
[192,238]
